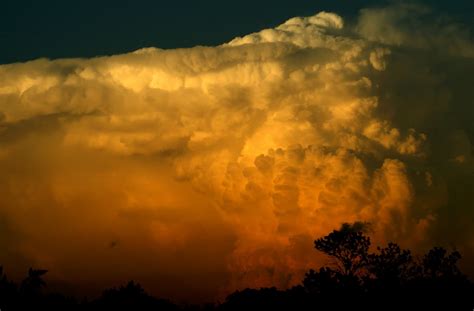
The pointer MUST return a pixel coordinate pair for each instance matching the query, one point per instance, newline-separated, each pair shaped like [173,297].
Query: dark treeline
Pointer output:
[390,278]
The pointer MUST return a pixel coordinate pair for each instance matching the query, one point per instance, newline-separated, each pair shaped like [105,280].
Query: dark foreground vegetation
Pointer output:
[390,278]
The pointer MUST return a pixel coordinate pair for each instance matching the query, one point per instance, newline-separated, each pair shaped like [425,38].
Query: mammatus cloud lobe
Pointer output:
[224,163]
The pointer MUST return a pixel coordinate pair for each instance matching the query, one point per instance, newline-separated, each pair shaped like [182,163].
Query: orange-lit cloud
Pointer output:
[222,164]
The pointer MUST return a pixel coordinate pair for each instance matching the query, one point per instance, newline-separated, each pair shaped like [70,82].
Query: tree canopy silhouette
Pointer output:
[348,247]
[390,278]
[33,284]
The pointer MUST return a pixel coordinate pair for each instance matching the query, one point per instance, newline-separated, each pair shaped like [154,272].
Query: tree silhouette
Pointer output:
[437,263]
[33,284]
[370,280]
[348,247]
[391,264]
[8,291]
[391,278]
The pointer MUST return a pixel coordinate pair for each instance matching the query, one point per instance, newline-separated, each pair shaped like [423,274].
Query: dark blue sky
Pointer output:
[54,29]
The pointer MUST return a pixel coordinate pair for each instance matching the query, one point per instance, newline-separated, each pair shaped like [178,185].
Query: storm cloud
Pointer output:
[224,163]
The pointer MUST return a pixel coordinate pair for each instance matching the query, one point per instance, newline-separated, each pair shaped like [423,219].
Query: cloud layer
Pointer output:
[224,163]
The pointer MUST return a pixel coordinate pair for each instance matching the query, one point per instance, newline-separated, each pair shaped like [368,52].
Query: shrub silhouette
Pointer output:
[131,297]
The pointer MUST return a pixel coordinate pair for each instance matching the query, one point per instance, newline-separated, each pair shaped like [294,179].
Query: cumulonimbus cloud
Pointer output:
[224,163]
